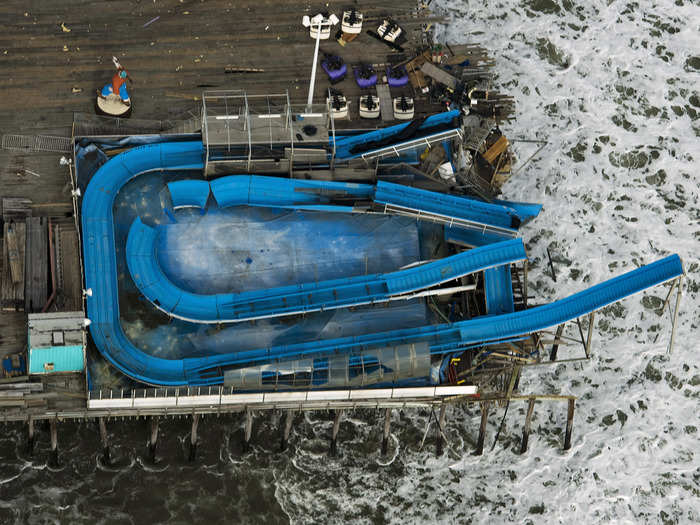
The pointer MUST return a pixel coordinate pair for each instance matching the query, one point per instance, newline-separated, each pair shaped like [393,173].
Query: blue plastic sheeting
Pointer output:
[244,248]
[299,298]
[472,238]
[463,333]
[498,286]
[255,190]
[344,145]
[448,206]
[189,193]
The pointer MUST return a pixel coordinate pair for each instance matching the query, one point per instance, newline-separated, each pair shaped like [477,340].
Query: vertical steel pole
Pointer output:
[313,69]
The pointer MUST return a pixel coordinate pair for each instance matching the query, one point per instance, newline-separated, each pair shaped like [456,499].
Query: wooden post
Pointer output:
[526,428]
[30,436]
[675,314]
[289,418]
[193,437]
[248,430]
[104,441]
[555,346]
[154,439]
[482,428]
[54,442]
[387,428]
[440,430]
[591,316]
[334,436]
[569,424]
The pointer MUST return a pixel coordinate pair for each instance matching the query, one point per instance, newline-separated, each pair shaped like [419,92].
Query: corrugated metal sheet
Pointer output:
[56,359]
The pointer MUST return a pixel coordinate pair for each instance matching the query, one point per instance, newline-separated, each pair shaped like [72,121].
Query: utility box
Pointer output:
[56,343]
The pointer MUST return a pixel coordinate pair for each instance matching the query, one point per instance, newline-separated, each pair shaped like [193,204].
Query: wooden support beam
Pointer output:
[153,439]
[104,441]
[482,428]
[334,435]
[569,424]
[526,428]
[387,430]
[248,430]
[591,317]
[193,437]
[288,419]
[54,441]
[440,430]
[30,436]
[555,345]
[675,313]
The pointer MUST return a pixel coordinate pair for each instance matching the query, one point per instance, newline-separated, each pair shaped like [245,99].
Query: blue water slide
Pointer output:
[449,337]
[103,304]
[143,265]
[347,147]
[256,190]
[189,193]
[469,212]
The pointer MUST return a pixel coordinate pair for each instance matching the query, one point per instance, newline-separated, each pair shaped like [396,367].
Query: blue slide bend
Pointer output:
[143,265]
[103,303]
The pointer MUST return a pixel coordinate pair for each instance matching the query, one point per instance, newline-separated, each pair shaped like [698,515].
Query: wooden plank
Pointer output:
[439,75]
[36,269]
[71,288]
[14,237]
[496,149]
[386,106]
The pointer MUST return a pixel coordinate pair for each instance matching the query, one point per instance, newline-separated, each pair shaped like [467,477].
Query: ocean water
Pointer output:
[613,87]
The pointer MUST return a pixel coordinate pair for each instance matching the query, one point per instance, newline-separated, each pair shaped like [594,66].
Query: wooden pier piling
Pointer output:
[104,441]
[334,436]
[54,442]
[30,436]
[555,345]
[482,428]
[387,428]
[569,424]
[193,437]
[440,430]
[248,430]
[526,428]
[154,439]
[289,418]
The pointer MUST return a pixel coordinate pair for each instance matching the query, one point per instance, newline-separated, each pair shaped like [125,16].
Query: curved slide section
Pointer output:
[189,193]
[143,265]
[482,329]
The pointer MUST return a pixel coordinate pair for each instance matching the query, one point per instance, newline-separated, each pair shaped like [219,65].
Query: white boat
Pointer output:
[369,106]
[351,22]
[403,108]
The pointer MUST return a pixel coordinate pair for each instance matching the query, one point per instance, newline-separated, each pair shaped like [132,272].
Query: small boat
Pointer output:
[351,22]
[389,31]
[338,104]
[403,108]
[365,76]
[396,76]
[369,106]
[334,67]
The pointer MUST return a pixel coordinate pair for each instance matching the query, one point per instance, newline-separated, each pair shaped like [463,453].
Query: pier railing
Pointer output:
[214,398]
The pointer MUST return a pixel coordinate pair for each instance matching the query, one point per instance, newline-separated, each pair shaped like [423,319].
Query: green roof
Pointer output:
[56,359]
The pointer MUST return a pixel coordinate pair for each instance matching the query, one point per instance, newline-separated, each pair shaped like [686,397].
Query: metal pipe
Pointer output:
[313,68]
